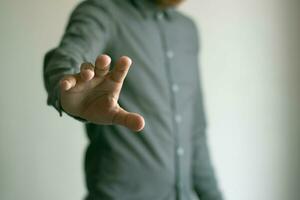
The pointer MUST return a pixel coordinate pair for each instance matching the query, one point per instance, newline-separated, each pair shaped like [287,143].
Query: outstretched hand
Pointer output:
[93,94]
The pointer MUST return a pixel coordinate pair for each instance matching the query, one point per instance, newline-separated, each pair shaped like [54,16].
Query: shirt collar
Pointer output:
[149,9]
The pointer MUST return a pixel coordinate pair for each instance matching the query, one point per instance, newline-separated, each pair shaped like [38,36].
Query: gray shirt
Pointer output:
[169,159]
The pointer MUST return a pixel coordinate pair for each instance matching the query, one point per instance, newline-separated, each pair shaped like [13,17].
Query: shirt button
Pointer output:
[178,118]
[175,88]
[159,16]
[57,103]
[179,186]
[180,151]
[170,54]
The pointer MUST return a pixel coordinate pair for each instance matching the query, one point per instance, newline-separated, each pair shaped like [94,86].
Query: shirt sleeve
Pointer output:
[204,179]
[87,35]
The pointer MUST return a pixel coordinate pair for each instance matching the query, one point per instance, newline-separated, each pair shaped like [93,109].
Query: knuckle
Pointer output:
[87,66]
[117,79]
[66,78]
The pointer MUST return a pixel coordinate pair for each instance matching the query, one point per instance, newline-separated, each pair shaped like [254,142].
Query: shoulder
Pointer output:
[184,19]
[95,4]
[96,10]
[107,4]
[110,8]
[186,24]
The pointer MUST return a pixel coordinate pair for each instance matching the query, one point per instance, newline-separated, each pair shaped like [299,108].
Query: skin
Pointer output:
[93,93]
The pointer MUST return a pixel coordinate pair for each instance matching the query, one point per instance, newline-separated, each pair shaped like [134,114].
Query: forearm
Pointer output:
[86,36]
[56,65]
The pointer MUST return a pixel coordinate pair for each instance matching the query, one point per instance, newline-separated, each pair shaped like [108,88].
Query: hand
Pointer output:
[93,94]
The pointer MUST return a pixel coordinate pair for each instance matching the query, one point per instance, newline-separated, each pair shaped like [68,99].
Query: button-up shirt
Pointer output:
[169,159]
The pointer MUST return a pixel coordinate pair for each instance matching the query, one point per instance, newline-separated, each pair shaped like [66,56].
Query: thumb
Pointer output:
[133,121]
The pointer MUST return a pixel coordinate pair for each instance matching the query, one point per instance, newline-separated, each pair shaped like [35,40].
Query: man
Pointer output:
[160,98]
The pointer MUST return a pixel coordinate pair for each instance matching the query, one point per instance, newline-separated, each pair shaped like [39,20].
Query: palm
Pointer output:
[95,94]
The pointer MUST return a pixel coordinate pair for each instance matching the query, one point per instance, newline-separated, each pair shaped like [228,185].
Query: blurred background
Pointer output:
[250,72]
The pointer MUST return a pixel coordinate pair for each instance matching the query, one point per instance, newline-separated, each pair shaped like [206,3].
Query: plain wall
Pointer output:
[250,70]
[251,67]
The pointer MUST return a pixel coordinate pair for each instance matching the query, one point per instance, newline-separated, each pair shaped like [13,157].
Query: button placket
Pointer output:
[177,119]
[159,16]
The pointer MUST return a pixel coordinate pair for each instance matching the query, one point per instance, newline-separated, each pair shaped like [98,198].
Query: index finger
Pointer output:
[121,69]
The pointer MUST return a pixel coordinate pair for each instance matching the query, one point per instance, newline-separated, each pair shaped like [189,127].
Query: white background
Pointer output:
[250,70]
